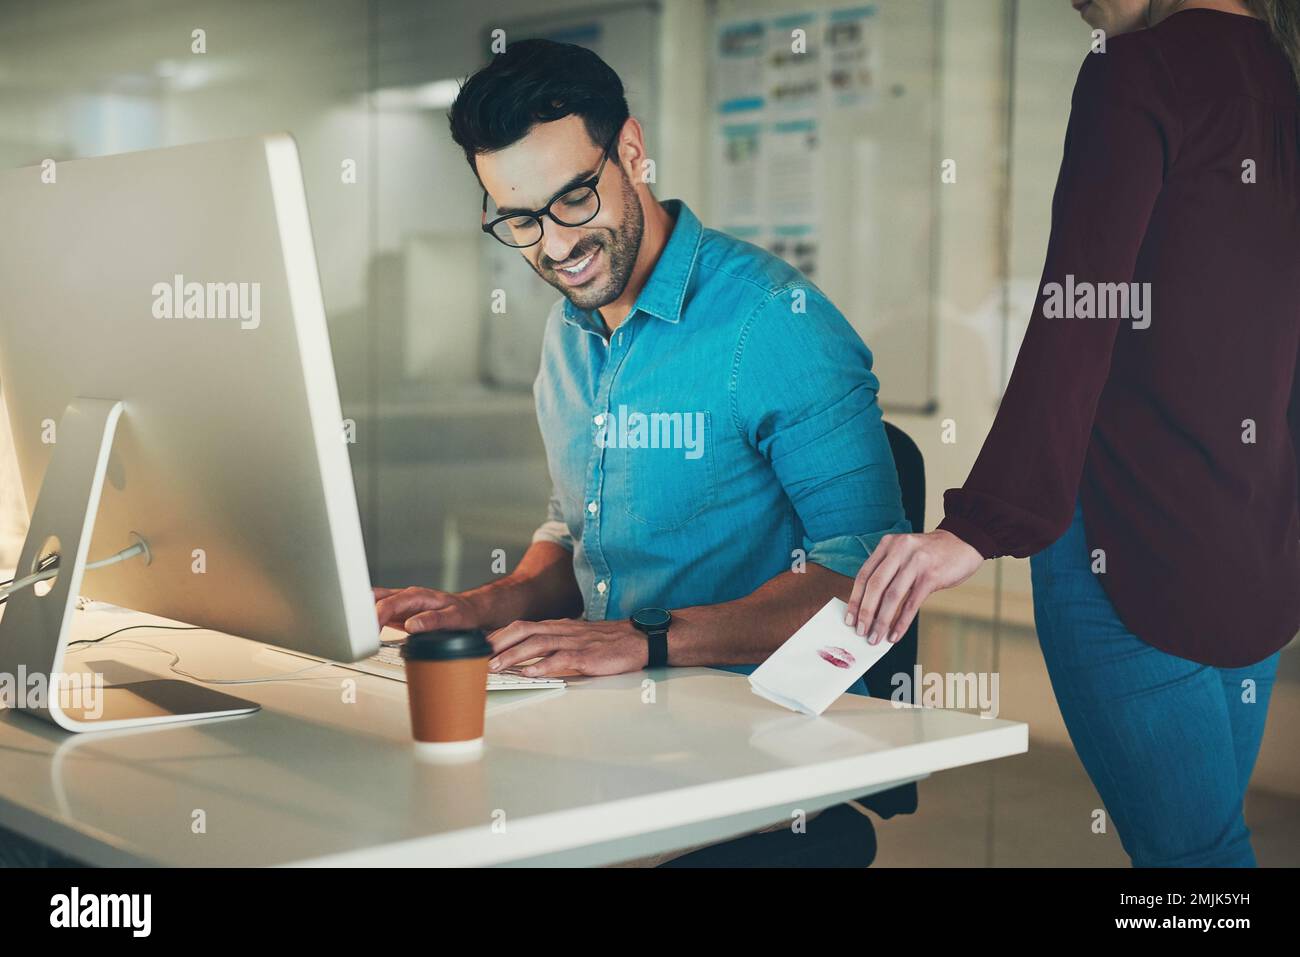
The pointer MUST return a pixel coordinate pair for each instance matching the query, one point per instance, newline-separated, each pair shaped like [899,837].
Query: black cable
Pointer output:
[95,641]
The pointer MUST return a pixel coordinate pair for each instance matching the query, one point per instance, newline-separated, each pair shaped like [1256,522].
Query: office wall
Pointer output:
[89,78]
[438,449]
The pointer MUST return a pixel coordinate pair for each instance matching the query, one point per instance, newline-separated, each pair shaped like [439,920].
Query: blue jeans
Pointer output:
[1169,743]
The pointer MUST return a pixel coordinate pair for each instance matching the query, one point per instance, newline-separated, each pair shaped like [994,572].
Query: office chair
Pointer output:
[842,836]
[910,465]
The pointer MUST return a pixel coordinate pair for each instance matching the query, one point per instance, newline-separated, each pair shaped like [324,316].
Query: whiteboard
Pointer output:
[826,151]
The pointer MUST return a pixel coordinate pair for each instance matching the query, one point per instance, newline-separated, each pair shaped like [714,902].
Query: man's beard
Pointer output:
[620,245]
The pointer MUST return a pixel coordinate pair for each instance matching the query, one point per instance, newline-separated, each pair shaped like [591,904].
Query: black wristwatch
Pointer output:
[654,622]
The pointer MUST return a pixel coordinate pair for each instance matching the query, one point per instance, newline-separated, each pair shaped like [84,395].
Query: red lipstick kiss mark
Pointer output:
[836,656]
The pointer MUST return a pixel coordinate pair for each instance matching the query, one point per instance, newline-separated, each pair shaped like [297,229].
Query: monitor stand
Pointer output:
[34,627]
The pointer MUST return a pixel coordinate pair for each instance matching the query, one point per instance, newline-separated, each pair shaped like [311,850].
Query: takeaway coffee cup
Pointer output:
[446,683]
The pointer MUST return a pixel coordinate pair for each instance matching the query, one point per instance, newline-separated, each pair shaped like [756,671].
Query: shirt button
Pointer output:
[601,586]
[591,507]
[600,419]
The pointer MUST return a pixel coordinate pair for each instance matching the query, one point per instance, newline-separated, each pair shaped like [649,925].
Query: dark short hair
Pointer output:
[536,81]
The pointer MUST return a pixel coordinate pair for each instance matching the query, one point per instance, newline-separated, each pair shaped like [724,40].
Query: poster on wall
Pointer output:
[797,245]
[826,142]
[775,83]
[738,67]
[793,73]
[852,58]
[793,188]
[738,195]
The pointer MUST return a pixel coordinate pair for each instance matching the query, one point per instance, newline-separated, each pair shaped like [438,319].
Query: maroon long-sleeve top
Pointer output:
[1174,422]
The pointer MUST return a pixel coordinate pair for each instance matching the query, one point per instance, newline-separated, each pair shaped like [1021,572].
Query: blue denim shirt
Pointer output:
[726,432]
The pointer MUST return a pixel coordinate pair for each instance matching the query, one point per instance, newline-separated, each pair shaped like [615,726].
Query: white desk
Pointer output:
[592,775]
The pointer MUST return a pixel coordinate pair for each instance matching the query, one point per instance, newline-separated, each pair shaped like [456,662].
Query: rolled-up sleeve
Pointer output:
[554,529]
[804,395]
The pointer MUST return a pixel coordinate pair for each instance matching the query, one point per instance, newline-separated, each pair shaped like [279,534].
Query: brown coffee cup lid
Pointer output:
[446,645]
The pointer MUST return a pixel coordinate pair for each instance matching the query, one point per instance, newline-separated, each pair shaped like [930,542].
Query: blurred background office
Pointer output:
[904,157]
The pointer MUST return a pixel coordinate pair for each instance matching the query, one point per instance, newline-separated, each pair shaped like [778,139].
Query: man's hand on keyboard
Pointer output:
[423,609]
[569,646]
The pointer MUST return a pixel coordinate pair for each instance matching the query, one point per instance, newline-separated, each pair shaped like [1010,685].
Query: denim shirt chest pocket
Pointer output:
[669,480]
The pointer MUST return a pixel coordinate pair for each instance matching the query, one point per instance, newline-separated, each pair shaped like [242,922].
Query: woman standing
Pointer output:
[1145,452]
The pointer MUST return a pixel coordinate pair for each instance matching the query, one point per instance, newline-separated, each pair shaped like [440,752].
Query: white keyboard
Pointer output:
[389,664]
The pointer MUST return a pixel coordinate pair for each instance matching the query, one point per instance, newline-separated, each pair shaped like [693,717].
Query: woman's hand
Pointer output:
[900,574]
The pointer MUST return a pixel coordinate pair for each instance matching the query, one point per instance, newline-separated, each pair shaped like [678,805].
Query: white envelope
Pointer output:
[817,663]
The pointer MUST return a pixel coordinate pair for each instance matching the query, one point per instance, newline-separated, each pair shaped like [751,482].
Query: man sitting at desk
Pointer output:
[719,465]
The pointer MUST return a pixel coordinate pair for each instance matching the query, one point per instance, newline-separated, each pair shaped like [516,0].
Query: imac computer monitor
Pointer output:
[167,373]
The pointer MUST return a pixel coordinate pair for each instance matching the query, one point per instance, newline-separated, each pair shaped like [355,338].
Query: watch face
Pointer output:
[651,617]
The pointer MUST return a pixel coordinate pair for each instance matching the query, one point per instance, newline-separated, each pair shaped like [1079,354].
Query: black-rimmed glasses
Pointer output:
[575,206]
